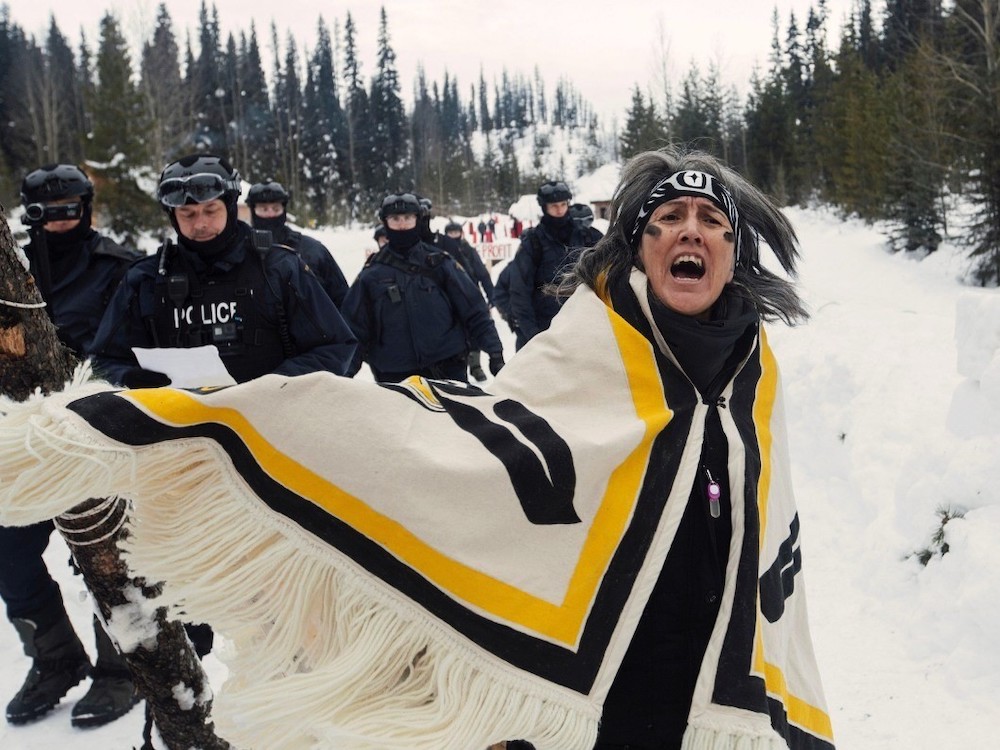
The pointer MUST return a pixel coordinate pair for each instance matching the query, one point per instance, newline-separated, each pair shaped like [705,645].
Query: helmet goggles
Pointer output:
[197,188]
[396,204]
[554,192]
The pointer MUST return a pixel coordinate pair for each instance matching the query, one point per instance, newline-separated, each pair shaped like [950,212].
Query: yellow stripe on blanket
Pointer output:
[562,622]
[800,712]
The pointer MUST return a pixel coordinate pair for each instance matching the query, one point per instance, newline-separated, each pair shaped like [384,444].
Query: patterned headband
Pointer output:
[688,182]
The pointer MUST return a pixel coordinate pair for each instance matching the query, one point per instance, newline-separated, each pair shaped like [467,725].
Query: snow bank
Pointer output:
[952,489]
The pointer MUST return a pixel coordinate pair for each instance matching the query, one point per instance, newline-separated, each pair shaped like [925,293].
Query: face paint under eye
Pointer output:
[729,237]
[652,231]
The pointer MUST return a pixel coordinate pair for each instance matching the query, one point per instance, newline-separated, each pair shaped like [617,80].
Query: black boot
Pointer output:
[59,662]
[476,369]
[112,692]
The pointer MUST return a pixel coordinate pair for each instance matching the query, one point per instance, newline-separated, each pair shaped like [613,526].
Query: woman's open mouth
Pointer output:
[687,268]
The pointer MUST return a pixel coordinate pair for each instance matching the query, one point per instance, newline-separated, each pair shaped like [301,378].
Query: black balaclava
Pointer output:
[560,227]
[402,240]
[273,224]
[217,245]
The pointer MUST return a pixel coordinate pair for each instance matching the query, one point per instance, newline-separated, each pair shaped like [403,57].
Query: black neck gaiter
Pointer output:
[273,224]
[561,227]
[708,350]
[218,244]
[402,240]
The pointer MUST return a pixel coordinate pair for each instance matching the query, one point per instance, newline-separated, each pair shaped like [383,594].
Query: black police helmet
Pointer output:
[198,178]
[582,214]
[399,203]
[267,192]
[379,232]
[425,206]
[555,191]
[56,182]
[452,226]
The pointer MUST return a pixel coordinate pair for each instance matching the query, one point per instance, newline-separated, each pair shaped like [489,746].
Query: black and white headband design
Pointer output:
[688,182]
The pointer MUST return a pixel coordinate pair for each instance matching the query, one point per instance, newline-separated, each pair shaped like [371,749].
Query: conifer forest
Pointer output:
[897,120]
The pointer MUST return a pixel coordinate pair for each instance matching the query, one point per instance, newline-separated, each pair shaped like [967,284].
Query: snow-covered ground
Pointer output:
[894,415]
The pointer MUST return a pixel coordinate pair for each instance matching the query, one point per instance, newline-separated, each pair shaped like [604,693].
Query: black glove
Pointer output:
[136,377]
[496,363]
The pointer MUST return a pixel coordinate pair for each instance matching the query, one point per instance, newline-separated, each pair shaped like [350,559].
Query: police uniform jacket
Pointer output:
[319,260]
[84,275]
[470,262]
[265,318]
[539,260]
[414,308]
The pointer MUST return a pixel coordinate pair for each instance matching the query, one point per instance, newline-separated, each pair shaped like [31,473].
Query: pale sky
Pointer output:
[604,47]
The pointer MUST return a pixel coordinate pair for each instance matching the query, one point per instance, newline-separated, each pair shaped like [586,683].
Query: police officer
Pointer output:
[544,252]
[453,244]
[583,216]
[380,237]
[77,270]
[413,308]
[268,202]
[223,283]
[427,234]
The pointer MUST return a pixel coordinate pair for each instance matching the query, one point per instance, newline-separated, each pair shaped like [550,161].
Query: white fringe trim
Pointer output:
[321,656]
[698,736]
[48,465]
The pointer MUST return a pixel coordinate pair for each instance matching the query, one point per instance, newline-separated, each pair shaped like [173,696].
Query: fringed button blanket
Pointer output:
[429,565]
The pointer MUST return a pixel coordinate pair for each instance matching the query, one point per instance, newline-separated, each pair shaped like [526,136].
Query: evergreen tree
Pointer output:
[255,146]
[541,106]
[796,91]
[867,40]
[643,129]
[31,71]
[18,153]
[61,104]
[85,87]
[191,105]
[915,170]
[507,185]
[471,116]
[852,134]
[697,119]
[116,152]
[425,129]
[229,96]
[162,91]
[499,116]
[323,128]
[905,24]
[288,116]
[769,125]
[388,144]
[972,66]
[360,198]
[485,121]
[208,87]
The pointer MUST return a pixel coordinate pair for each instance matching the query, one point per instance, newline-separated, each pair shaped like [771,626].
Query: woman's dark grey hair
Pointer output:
[773,296]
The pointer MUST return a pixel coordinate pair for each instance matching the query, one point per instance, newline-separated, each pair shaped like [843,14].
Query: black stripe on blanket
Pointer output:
[734,686]
[120,420]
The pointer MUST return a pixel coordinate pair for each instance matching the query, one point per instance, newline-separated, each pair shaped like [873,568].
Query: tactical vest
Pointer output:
[431,266]
[226,310]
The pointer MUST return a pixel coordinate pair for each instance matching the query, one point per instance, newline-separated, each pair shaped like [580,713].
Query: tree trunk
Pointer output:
[32,357]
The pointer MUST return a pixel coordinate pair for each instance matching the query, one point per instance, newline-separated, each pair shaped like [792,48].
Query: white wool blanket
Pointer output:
[431,566]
